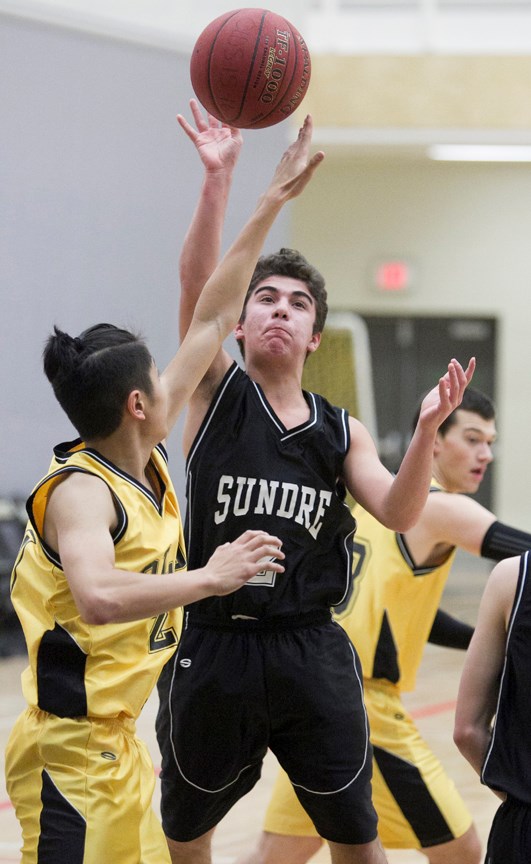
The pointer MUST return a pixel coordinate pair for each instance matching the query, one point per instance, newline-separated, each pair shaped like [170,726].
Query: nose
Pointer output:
[486,453]
[281,309]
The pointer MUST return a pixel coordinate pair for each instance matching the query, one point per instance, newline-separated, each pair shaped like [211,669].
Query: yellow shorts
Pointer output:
[82,790]
[417,803]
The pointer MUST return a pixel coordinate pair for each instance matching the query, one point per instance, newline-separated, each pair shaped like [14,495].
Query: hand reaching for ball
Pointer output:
[217,143]
[296,166]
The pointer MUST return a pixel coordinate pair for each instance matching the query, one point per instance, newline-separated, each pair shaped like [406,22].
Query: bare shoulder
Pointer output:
[359,434]
[504,576]
[440,501]
[446,508]
[78,495]
[500,590]
[201,399]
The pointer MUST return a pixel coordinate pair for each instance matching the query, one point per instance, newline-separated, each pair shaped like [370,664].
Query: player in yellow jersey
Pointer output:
[399,579]
[102,565]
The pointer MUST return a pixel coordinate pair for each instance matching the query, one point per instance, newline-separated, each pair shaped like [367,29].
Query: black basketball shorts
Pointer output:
[510,834]
[228,695]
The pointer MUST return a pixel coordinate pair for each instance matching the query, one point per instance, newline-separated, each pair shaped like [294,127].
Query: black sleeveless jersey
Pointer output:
[246,470]
[507,765]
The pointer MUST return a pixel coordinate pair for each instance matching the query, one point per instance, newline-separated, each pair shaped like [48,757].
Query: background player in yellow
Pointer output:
[399,579]
[494,703]
[102,568]
[279,671]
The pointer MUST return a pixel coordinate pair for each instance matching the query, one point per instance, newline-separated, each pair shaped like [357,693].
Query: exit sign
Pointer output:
[393,276]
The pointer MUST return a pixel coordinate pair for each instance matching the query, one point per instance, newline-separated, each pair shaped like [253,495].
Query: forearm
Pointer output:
[224,293]
[449,632]
[202,243]
[125,596]
[473,743]
[407,496]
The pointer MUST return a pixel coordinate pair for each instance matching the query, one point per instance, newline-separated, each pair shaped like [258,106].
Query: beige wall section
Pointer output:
[467,229]
[469,92]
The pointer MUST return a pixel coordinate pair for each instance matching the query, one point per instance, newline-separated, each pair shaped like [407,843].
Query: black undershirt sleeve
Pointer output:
[449,631]
[501,541]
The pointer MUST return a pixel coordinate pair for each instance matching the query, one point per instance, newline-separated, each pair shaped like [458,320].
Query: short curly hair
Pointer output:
[289,262]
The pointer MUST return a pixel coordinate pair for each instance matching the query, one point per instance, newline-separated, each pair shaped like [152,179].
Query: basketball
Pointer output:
[250,68]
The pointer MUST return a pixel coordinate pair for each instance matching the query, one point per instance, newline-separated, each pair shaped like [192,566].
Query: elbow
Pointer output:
[465,735]
[403,525]
[97,609]
[401,522]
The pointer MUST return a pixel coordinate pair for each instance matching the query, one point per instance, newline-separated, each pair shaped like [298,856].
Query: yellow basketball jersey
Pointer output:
[391,610]
[77,669]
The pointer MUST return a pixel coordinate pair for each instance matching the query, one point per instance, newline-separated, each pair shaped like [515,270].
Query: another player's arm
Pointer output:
[80,516]
[218,147]
[449,632]
[479,686]
[458,520]
[219,306]
[397,501]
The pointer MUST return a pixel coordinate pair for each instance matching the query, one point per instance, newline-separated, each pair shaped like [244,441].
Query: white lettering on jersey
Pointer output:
[223,498]
[266,496]
[241,495]
[239,508]
[324,502]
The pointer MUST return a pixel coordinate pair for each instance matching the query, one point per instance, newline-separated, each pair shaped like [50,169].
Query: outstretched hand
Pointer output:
[218,145]
[447,395]
[233,564]
[296,167]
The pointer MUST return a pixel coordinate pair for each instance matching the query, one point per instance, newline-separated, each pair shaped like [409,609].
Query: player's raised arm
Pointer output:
[397,502]
[218,147]
[219,306]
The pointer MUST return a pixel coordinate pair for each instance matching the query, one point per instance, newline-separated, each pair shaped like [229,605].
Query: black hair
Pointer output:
[473,400]
[92,375]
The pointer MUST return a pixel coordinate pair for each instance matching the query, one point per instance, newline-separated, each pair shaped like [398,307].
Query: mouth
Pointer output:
[275,330]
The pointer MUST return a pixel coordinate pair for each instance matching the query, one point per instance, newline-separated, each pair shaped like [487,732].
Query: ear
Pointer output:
[437,444]
[314,343]
[135,405]
[238,332]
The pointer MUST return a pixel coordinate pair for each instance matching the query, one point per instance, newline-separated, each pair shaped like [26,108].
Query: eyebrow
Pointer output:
[295,293]
[479,432]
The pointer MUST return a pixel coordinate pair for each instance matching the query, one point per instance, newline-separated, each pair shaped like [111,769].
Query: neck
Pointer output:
[124,452]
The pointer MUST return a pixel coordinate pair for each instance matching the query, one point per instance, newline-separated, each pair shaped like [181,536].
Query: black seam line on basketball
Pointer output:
[213,45]
[214,100]
[288,85]
[251,65]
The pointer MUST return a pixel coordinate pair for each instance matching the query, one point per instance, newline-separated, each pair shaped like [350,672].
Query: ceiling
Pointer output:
[329,26]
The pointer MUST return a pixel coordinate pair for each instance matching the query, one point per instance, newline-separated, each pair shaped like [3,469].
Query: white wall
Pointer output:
[467,229]
[98,186]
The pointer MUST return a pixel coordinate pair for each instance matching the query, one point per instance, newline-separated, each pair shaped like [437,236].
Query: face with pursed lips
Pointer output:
[279,319]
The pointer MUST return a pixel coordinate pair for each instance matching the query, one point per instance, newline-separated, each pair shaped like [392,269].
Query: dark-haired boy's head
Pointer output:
[289,262]
[93,374]
[474,401]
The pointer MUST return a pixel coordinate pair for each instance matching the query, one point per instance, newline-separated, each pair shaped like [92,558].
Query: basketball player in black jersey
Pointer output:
[494,707]
[270,668]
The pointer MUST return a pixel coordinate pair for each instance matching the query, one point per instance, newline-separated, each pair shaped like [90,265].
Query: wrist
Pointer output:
[219,174]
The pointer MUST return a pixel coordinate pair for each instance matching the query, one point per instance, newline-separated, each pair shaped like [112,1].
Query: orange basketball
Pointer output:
[250,68]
